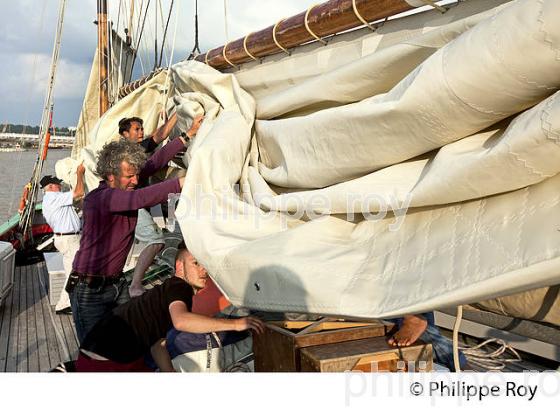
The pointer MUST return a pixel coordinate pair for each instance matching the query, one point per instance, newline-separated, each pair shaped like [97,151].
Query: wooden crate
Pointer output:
[278,348]
[372,354]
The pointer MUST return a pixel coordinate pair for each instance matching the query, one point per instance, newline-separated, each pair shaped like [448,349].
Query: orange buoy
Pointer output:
[24,196]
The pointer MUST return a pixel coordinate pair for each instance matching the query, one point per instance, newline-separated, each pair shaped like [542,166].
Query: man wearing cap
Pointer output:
[60,214]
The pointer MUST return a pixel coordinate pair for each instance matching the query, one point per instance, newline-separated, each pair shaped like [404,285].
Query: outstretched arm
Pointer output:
[79,189]
[163,132]
[120,201]
[160,159]
[185,321]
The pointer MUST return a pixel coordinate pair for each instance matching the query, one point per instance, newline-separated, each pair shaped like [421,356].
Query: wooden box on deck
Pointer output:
[372,354]
[278,348]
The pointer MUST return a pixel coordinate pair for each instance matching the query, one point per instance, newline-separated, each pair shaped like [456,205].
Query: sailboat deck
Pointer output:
[32,337]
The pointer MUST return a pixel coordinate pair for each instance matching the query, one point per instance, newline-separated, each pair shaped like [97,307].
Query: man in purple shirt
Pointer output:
[110,213]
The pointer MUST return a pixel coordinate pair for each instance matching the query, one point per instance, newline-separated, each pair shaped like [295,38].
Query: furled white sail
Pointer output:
[389,173]
[468,140]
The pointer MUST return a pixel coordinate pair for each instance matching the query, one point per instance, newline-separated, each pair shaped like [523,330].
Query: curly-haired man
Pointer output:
[110,213]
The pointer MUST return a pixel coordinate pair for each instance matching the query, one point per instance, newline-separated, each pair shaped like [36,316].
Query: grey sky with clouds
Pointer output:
[27,35]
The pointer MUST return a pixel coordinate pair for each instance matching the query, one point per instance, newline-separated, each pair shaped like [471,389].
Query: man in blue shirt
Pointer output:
[60,214]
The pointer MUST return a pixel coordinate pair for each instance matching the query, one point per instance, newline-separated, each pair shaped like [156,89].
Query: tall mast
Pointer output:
[103,56]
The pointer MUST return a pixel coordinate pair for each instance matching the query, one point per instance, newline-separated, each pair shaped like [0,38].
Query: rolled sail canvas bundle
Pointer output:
[382,175]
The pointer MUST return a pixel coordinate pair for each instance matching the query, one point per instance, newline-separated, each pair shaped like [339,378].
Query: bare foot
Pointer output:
[412,328]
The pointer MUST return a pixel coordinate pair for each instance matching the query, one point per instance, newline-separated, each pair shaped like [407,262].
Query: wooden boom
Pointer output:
[323,20]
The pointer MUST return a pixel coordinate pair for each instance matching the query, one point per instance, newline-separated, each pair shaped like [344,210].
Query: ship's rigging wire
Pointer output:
[27,105]
[139,35]
[26,219]
[196,49]
[140,49]
[165,96]
[165,34]
[119,68]
[226,21]
[162,24]
[156,35]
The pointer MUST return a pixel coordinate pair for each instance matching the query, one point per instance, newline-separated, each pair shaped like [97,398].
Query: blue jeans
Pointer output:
[89,305]
[442,346]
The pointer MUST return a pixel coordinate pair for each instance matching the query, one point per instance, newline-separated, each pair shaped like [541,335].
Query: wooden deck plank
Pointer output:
[11,363]
[42,342]
[56,352]
[22,362]
[65,322]
[6,319]
[32,346]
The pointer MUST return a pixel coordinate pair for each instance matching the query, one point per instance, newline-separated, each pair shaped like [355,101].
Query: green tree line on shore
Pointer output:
[28,129]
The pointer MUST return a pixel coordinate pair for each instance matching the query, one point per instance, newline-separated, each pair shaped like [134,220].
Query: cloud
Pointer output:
[27,35]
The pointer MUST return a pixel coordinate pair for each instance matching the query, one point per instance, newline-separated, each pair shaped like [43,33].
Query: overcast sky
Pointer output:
[27,35]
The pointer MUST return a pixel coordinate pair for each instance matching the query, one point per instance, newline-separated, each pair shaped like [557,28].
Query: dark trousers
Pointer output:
[90,304]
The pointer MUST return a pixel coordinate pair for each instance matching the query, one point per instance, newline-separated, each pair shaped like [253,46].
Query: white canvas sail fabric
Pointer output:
[145,102]
[120,71]
[457,164]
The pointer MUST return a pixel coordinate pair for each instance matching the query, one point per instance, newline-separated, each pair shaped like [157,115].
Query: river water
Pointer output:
[15,172]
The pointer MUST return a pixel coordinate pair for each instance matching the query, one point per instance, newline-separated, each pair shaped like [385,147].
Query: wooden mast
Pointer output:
[103,56]
[324,19]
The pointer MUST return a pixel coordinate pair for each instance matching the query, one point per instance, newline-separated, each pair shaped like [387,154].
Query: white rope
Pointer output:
[226,20]
[306,22]
[360,17]
[224,48]
[280,46]
[246,48]
[456,327]
[491,360]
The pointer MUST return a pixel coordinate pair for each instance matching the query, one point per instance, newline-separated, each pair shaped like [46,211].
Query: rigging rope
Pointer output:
[165,33]
[155,35]
[26,219]
[165,97]
[456,326]
[491,360]
[226,21]
[139,37]
[487,360]
[196,49]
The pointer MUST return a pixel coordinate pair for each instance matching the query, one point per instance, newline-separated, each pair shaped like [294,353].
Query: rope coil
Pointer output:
[284,49]
[225,57]
[245,39]
[491,360]
[307,25]
[486,359]
[359,16]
